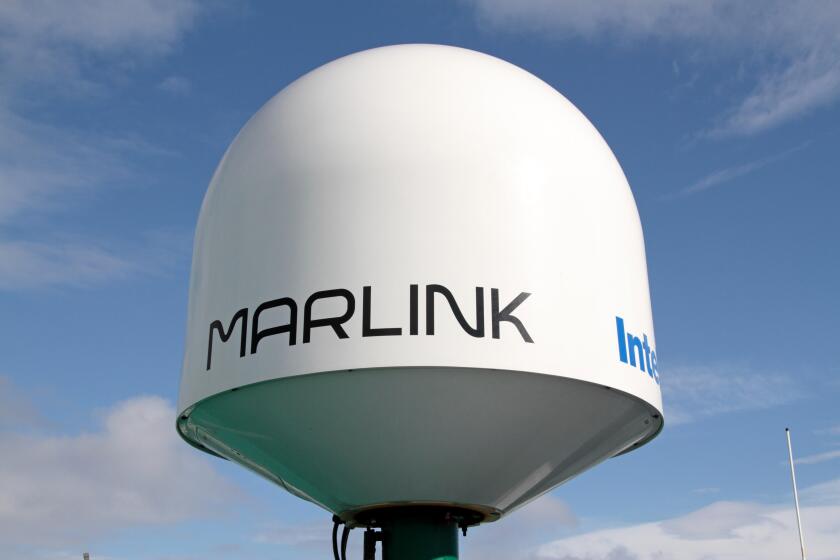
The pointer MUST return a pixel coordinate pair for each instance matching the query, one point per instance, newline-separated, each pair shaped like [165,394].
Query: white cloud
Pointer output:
[694,392]
[717,520]
[134,471]
[818,458]
[317,534]
[518,534]
[41,37]
[793,44]
[99,24]
[720,531]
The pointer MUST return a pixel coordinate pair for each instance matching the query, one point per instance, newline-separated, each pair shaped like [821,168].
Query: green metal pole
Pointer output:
[420,538]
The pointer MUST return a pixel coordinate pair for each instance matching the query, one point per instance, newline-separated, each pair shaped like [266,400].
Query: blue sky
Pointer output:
[725,117]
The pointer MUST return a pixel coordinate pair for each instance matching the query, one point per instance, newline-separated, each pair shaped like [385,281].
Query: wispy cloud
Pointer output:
[707,490]
[810,81]
[695,392]
[818,458]
[832,431]
[43,166]
[54,50]
[824,493]
[792,45]
[27,265]
[728,174]
[176,85]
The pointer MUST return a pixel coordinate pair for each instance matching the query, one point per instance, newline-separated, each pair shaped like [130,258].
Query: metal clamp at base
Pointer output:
[414,532]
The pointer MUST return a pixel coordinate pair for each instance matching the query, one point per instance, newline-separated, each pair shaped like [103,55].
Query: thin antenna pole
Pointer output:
[795,494]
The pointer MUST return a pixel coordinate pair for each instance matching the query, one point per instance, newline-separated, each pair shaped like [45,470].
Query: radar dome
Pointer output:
[419,280]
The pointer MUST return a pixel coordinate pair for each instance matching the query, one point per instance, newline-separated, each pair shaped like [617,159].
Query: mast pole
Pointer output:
[795,495]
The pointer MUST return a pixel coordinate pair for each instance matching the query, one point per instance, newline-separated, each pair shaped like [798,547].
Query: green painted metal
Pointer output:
[361,439]
[419,538]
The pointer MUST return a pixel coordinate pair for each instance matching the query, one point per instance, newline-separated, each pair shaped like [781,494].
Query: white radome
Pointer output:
[371,191]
